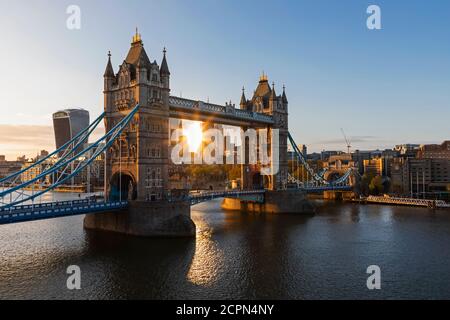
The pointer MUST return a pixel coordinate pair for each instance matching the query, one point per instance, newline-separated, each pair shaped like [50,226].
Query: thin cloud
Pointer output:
[355,139]
[16,140]
[16,134]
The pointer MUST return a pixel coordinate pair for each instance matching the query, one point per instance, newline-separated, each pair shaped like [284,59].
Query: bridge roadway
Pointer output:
[50,210]
[58,209]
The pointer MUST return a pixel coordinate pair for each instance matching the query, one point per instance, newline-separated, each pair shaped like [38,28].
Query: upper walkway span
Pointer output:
[204,111]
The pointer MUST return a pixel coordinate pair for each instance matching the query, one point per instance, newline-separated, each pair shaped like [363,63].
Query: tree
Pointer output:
[376,186]
[366,180]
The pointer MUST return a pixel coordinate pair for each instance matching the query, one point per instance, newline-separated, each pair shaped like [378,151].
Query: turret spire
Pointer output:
[285,100]
[243,98]
[273,95]
[109,72]
[164,66]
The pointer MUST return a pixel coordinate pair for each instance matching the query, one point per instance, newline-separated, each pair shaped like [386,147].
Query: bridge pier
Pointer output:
[160,219]
[280,201]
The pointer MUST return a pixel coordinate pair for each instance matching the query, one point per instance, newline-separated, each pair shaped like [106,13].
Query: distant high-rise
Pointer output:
[68,123]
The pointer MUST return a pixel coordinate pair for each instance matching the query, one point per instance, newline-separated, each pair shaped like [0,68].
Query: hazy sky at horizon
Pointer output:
[383,87]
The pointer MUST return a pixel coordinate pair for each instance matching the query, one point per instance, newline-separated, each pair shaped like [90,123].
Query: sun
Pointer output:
[192,130]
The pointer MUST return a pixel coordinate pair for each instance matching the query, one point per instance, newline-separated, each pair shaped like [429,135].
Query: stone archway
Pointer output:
[122,187]
[332,176]
[257,181]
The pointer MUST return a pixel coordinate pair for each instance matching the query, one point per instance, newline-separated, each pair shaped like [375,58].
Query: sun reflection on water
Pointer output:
[208,258]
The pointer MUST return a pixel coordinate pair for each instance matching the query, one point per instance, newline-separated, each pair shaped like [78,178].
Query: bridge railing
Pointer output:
[218,109]
[51,204]
[60,209]
[412,201]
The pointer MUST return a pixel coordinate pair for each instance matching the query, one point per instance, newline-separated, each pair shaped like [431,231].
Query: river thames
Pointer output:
[237,256]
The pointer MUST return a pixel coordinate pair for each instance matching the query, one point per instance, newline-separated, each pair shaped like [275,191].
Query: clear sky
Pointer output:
[384,87]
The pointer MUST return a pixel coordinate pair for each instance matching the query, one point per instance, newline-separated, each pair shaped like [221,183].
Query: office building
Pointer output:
[434,151]
[373,167]
[67,124]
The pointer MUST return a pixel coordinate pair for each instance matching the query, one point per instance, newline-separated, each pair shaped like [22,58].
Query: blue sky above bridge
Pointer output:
[383,87]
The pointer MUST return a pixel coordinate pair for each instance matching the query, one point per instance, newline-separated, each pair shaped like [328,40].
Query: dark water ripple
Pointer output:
[237,256]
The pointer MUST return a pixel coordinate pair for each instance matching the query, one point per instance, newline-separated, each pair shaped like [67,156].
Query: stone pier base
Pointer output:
[155,219]
[283,201]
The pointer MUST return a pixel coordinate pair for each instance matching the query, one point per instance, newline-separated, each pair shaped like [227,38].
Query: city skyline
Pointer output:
[380,86]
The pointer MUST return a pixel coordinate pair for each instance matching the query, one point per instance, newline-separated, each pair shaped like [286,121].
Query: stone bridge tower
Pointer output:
[137,163]
[136,167]
[265,100]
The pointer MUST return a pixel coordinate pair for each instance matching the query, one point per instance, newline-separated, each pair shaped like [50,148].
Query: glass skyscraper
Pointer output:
[68,123]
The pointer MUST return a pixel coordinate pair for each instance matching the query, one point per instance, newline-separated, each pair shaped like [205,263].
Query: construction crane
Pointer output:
[346,141]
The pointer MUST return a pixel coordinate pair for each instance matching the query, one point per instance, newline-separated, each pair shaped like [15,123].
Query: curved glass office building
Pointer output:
[68,123]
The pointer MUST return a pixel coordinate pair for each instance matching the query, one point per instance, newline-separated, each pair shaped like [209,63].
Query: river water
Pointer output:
[237,256]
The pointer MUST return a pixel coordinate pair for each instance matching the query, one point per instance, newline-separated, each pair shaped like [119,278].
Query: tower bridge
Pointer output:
[137,192]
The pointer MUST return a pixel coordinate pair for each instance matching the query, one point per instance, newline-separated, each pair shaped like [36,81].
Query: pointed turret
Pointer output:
[273,95]
[285,100]
[164,66]
[165,73]
[243,103]
[108,84]
[109,72]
